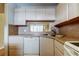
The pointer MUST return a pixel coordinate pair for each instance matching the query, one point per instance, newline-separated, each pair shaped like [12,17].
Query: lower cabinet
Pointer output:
[30,46]
[46,46]
[15,47]
[59,48]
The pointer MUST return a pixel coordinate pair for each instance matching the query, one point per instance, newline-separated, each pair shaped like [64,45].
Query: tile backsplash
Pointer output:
[23,30]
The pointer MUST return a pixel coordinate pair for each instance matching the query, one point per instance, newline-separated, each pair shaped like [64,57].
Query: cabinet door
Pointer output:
[15,45]
[31,46]
[75,12]
[46,47]
[19,17]
[61,13]
[59,49]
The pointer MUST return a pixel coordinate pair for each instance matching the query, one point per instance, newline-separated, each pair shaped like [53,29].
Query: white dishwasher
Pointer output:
[31,46]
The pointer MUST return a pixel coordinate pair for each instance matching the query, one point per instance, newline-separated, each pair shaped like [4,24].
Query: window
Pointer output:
[36,27]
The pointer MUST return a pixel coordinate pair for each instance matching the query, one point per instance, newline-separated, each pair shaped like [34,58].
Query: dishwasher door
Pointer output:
[31,46]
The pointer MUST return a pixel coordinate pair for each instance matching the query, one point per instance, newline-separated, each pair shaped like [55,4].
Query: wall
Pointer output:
[1,25]
[70,30]
[10,12]
[23,30]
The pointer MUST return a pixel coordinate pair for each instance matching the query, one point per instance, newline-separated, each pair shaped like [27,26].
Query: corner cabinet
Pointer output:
[19,16]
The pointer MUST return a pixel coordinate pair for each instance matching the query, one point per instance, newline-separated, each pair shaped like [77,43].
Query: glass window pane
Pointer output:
[36,28]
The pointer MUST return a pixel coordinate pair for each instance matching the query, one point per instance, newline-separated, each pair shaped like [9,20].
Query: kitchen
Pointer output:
[41,29]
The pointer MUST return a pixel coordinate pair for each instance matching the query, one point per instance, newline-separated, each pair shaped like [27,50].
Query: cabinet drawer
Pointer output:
[59,46]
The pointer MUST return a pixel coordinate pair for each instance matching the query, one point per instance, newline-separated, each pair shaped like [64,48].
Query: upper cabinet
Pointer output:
[23,14]
[73,10]
[66,11]
[19,16]
[61,12]
[40,13]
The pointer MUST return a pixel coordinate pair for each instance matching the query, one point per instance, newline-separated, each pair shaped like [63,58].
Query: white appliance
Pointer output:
[31,46]
[71,48]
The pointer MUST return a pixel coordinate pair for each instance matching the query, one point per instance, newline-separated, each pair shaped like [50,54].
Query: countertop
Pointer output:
[28,35]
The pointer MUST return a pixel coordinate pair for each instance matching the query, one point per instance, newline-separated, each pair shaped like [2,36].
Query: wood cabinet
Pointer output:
[31,46]
[59,48]
[46,46]
[19,16]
